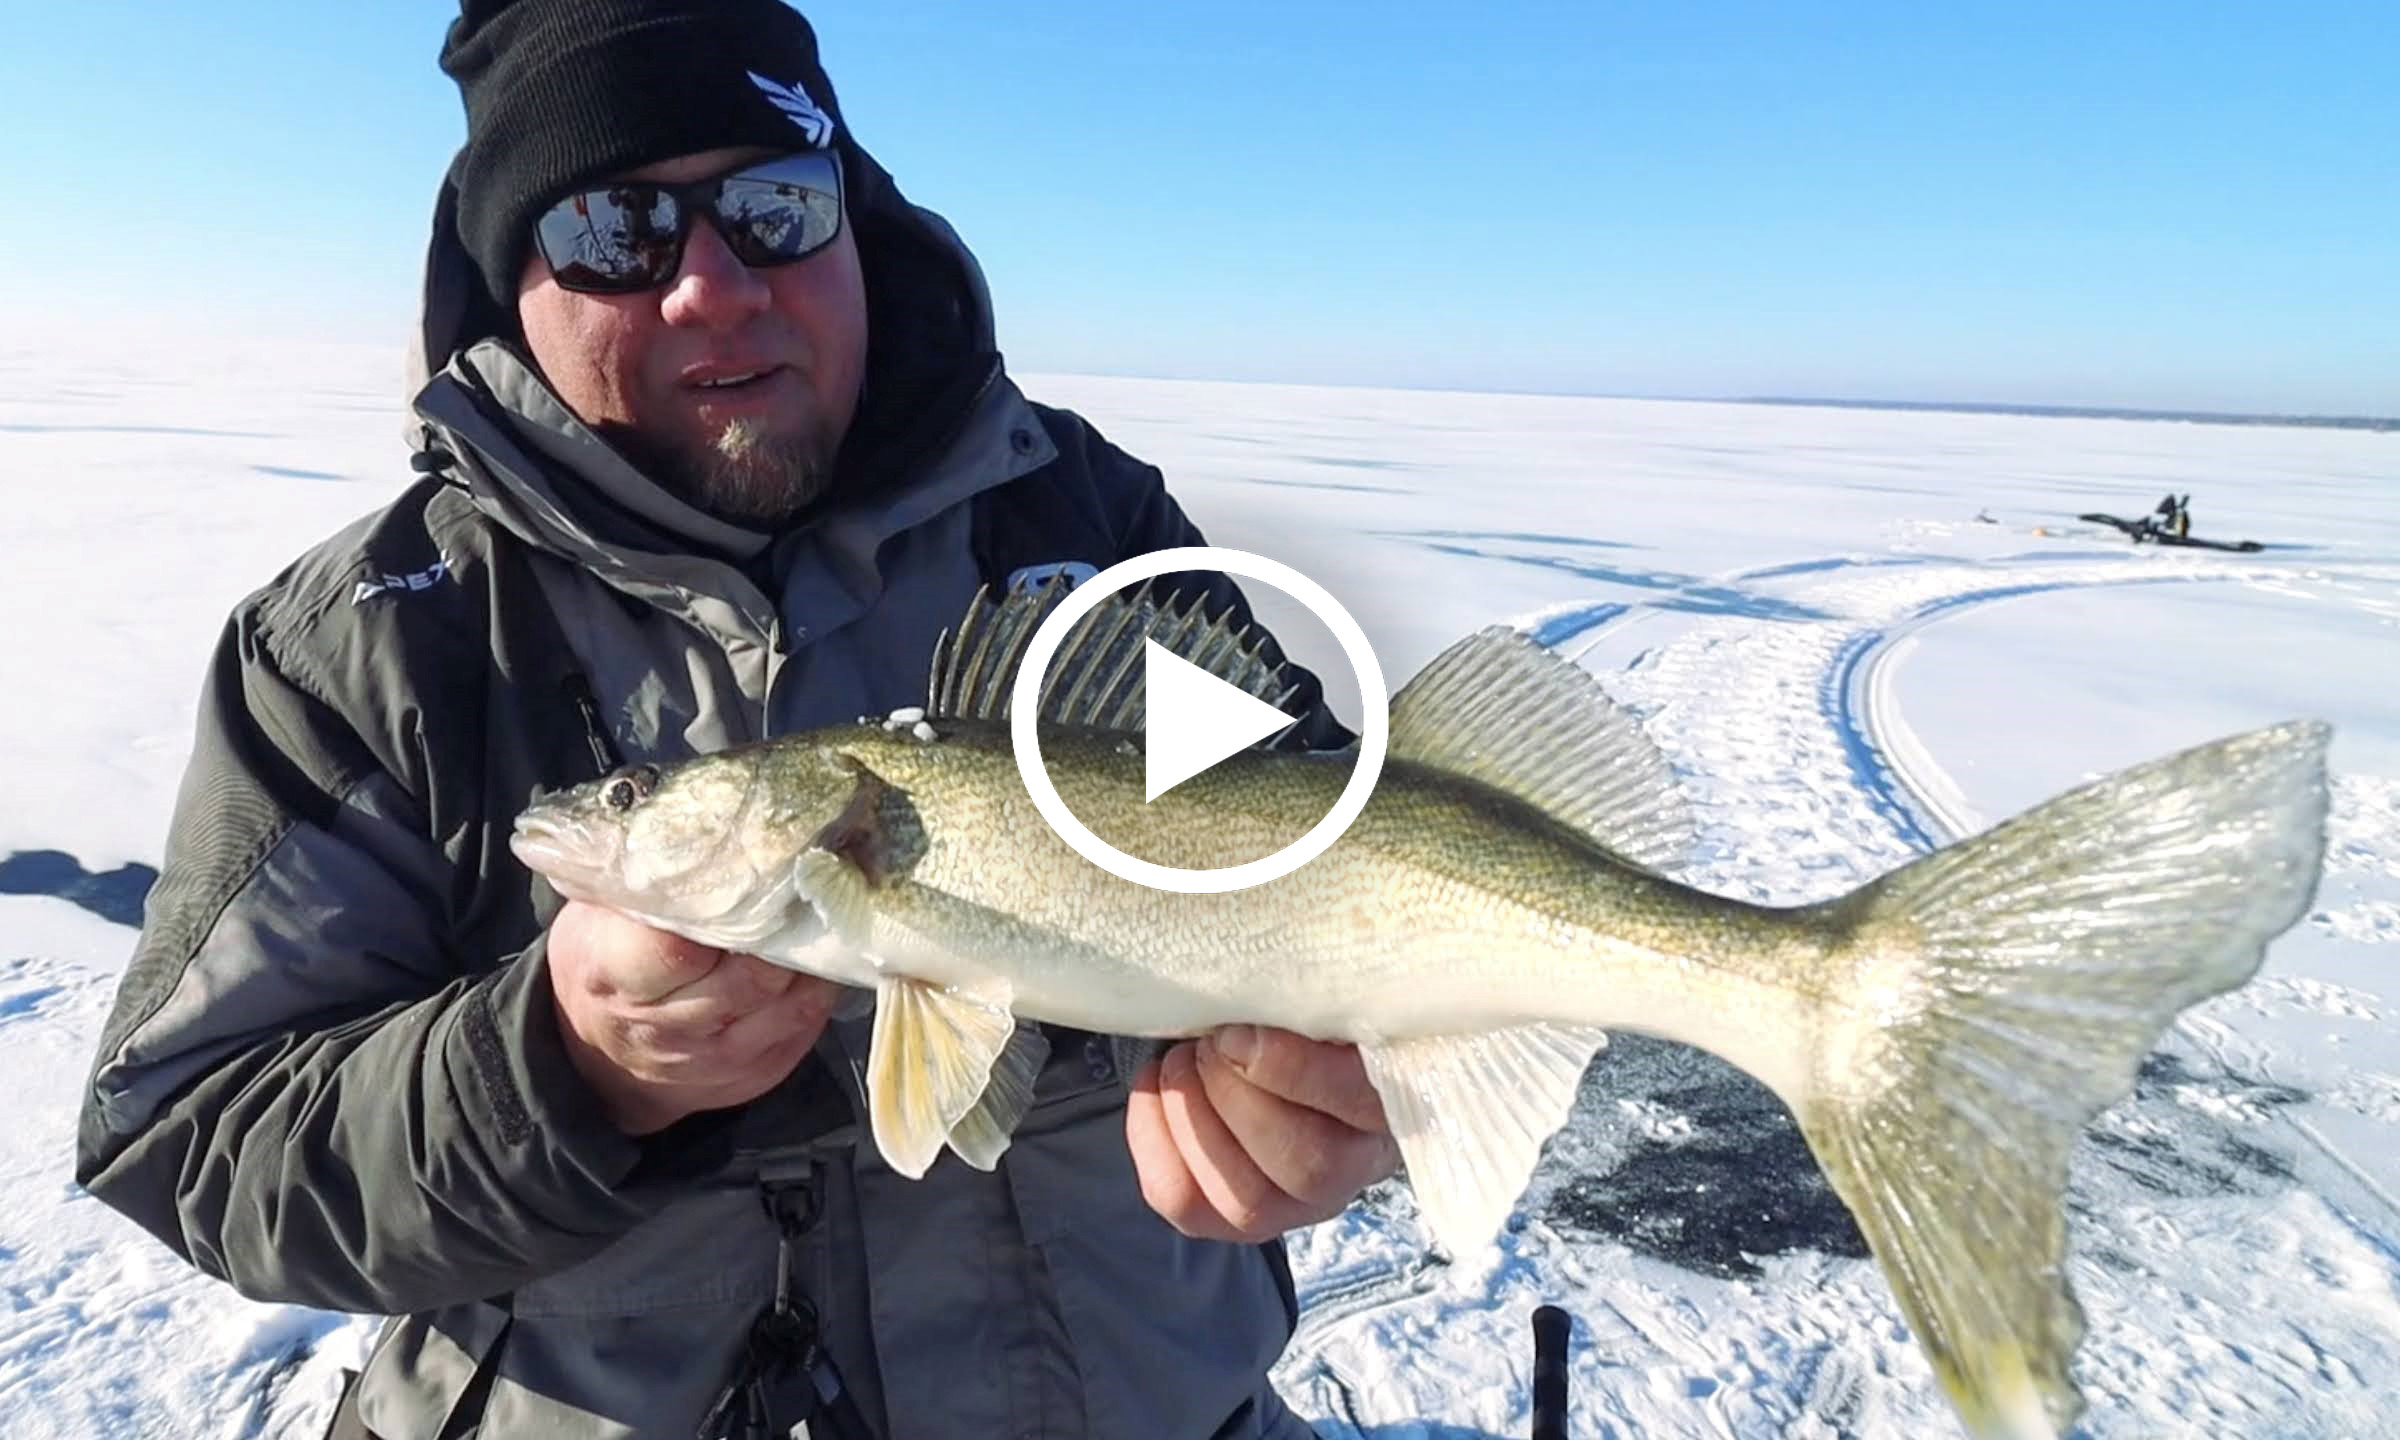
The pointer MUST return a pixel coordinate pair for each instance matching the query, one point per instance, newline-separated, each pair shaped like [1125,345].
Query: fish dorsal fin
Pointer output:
[1501,709]
[1471,1113]
[1095,682]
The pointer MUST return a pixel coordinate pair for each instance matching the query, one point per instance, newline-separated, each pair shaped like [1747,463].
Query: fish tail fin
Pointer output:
[2003,992]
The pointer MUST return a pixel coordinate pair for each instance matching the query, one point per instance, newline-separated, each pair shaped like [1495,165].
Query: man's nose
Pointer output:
[713,287]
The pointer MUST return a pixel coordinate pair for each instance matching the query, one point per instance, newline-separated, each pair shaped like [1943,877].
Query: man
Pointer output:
[718,443]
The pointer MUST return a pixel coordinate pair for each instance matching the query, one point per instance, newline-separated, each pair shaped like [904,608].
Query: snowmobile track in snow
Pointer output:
[1779,712]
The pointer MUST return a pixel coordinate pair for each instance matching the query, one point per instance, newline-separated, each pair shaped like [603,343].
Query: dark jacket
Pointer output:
[333,1074]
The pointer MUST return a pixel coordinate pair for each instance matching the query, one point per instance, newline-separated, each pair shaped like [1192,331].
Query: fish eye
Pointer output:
[630,787]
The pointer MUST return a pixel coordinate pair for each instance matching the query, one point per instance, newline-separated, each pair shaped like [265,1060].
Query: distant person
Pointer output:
[2172,517]
[716,440]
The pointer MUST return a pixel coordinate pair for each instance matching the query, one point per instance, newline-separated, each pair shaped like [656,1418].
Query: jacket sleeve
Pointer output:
[1151,520]
[301,1088]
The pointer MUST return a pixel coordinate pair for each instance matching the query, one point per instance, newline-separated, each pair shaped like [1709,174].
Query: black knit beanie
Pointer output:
[560,93]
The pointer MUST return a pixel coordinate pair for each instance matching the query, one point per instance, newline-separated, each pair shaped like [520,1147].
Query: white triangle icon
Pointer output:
[1192,720]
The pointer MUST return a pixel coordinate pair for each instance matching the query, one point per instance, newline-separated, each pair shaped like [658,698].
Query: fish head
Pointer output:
[705,847]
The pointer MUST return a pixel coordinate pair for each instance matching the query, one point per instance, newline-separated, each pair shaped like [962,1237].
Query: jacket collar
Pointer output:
[525,461]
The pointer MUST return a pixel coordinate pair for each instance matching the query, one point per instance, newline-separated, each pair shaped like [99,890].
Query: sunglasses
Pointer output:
[620,238]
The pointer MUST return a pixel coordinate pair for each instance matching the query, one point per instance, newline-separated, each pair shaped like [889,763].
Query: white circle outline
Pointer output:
[1025,699]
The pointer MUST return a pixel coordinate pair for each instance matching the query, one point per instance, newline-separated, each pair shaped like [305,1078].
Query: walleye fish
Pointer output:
[1941,1034]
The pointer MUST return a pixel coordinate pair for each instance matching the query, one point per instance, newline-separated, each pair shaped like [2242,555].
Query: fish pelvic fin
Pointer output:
[1471,1113]
[929,1064]
[946,1064]
[2000,994]
[981,1135]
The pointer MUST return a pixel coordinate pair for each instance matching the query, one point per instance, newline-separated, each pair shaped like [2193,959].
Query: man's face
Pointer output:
[636,367]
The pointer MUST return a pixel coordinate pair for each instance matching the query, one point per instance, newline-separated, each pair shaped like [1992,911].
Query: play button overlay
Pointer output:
[1193,720]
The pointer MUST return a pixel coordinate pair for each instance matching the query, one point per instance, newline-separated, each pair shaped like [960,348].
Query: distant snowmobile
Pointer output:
[2175,528]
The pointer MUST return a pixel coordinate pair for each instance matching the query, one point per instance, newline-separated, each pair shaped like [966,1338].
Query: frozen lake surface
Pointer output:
[1856,634]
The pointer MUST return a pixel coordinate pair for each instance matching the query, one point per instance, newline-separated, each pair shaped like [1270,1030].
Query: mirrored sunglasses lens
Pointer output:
[624,238]
[771,222]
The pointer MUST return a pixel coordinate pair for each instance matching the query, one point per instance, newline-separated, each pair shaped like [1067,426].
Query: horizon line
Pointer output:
[2382,424]
[2297,419]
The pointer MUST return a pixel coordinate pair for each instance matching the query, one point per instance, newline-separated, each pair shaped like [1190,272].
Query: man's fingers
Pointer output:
[1307,1154]
[1166,1178]
[660,1027]
[617,957]
[712,1048]
[785,1039]
[736,985]
[789,1023]
[743,1009]
[1315,1074]
[1234,1185]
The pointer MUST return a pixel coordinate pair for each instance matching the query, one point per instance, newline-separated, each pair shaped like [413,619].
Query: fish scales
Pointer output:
[1941,1034]
[1446,907]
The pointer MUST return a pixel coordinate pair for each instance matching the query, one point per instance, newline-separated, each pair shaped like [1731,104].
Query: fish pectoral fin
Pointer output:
[981,1135]
[1471,1113]
[839,892]
[929,1064]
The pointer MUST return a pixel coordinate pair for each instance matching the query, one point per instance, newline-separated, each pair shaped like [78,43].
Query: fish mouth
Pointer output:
[561,849]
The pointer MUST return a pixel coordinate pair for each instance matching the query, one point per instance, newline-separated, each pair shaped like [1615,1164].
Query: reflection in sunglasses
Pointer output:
[629,236]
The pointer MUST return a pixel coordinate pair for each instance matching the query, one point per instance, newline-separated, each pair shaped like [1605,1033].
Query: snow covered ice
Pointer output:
[1845,667]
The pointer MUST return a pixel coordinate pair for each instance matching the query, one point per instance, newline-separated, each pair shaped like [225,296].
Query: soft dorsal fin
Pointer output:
[1501,709]
[1096,680]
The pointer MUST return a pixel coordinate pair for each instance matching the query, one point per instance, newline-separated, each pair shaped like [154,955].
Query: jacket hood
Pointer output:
[931,347]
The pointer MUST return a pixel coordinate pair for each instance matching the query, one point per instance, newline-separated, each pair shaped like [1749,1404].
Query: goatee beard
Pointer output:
[752,477]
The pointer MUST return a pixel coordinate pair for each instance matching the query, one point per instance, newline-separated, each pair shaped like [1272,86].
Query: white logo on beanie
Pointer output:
[802,111]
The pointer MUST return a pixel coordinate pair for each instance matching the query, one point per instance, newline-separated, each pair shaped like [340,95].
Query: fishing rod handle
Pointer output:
[1551,1327]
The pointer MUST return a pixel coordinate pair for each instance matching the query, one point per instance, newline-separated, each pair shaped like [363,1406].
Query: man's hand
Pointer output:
[662,1028]
[1249,1132]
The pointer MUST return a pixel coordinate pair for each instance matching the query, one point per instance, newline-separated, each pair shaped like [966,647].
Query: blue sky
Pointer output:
[2186,205]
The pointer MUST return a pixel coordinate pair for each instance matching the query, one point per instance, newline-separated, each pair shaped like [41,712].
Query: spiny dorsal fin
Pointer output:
[1096,680]
[1501,709]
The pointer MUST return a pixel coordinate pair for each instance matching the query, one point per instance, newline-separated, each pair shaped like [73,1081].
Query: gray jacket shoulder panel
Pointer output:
[333,920]
[323,1006]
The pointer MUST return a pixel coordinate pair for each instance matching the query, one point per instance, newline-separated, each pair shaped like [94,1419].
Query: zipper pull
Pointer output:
[604,750]
[795,1203]
[785,1343]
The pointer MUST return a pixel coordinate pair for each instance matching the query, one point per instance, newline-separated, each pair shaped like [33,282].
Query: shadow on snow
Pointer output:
[114,895]
[1691,594]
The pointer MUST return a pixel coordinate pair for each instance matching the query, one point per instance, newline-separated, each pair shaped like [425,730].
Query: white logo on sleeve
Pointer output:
[798,108]
[424,579]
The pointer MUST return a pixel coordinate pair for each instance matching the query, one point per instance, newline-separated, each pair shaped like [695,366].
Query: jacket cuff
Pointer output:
[531,1096]
[510,1070]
